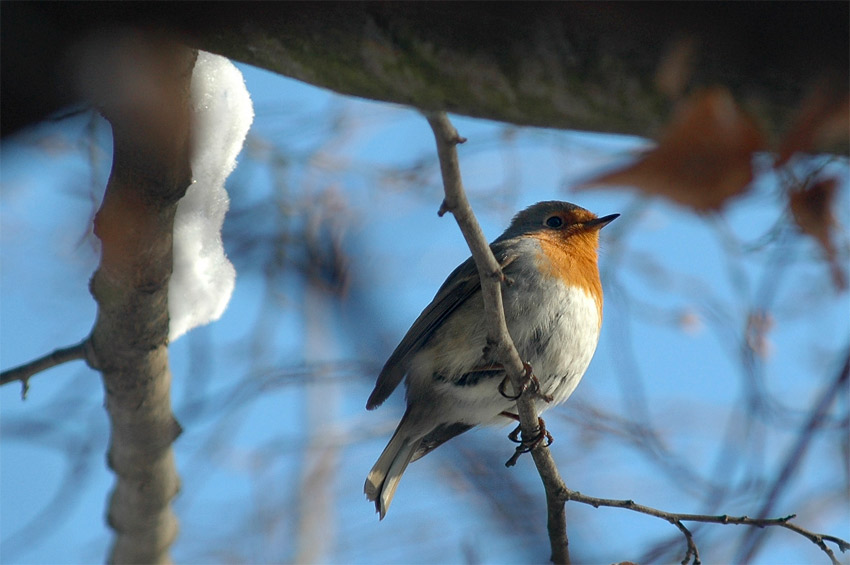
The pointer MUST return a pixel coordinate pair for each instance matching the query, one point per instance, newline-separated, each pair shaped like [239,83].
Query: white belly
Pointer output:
[557,337]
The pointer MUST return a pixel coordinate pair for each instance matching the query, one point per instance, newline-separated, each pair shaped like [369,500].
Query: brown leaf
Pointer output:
[811,207]
[702,160]
[823,120]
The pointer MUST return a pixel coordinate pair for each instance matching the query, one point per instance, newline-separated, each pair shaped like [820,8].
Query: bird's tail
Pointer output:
[385,475]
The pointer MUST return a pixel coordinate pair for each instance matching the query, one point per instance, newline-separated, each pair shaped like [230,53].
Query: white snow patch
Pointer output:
[203,277]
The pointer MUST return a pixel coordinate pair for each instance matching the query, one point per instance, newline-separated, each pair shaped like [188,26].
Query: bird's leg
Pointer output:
[514,435]
[529,382]
[526,445]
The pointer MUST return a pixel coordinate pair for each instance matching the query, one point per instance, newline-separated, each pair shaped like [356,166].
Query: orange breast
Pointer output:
[573,260]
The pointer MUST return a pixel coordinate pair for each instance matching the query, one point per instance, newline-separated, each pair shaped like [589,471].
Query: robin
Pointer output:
[553,309]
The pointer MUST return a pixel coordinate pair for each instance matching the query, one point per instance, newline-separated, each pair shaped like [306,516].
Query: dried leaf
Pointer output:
[811,207]
[703,159]
[824,120]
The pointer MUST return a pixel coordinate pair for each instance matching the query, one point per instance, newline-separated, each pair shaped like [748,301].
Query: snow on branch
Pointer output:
[203,277]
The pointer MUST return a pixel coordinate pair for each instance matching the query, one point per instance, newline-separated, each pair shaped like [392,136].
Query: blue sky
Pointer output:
[679,289]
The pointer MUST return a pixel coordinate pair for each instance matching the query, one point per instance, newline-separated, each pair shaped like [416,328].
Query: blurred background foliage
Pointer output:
[716,387]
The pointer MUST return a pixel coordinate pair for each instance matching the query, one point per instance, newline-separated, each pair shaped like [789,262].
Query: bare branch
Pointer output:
[498,338]
[819,539]
[58,357]
[502,346]
[676,519]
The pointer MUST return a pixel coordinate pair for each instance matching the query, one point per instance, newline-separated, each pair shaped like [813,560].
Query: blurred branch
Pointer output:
[498,337]
[640,435]
[23,372]
[795,458]
[70,490]
[677,520]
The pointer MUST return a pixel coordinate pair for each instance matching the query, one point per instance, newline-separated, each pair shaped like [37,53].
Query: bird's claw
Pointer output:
[530,382]
[526,445]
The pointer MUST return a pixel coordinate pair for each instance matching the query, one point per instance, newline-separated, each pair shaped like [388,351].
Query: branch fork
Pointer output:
[501,347]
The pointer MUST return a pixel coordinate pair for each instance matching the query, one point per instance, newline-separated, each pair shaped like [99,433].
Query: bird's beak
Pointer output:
[600,223]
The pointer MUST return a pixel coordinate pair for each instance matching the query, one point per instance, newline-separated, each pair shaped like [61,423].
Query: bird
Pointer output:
[553,309]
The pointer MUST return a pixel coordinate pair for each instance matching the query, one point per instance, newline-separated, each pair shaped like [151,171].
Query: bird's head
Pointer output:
[569,238]
[559,221]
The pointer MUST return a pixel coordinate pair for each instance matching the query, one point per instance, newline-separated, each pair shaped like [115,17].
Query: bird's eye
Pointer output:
[554,222]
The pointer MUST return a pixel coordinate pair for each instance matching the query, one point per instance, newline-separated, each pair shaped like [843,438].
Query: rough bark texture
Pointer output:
[129,341]
[593,66]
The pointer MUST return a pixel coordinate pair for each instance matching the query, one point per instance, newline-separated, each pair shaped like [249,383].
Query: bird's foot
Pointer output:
[526,445]
[530,383]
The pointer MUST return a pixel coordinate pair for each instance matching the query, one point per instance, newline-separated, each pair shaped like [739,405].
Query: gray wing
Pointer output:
[460,285]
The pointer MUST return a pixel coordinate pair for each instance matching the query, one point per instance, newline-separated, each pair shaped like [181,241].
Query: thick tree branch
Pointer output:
[150,173]
[498,338]
[24,372]
[676,519]
[599,66]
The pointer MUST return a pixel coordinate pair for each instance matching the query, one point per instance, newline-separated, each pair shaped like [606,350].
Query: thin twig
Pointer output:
[498,339]
[24,372]
[819,540]
[677,518]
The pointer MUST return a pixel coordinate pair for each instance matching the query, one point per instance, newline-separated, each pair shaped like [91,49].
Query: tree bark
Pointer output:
[610,67]
[150,173]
